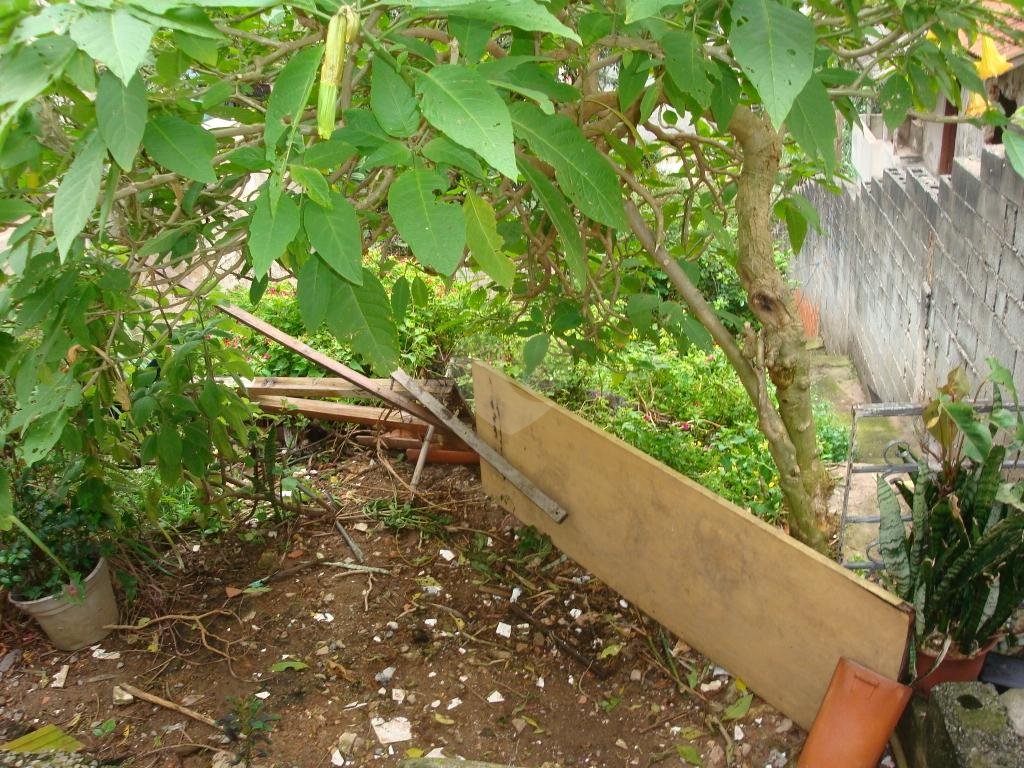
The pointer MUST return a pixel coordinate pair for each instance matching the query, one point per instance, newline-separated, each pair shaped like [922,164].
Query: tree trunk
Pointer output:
[803,523]
[782,342]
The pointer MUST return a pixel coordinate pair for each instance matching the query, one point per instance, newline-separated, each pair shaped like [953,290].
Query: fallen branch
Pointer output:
[161,702]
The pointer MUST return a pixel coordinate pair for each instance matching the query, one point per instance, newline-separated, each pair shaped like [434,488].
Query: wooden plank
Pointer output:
[772,611]
[291,386]
[387,394]
[551,508]
[353,414]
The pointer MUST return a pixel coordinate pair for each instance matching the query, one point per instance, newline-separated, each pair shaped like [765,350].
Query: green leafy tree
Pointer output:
[581,155]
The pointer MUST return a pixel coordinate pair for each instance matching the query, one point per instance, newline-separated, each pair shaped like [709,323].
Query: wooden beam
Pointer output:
[291,386]
[354,414]
[770,610]
[387,394]
[551,508]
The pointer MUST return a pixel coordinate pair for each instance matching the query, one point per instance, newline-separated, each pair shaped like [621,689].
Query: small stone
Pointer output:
[495,697]
[636,675]
[384,676]
[61,677]
[716,757]
[346,743]
[785,726]
[621,744]
[519,724]
[121,697]
[323,650]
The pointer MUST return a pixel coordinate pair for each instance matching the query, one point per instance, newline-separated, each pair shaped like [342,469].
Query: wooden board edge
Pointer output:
[877,591]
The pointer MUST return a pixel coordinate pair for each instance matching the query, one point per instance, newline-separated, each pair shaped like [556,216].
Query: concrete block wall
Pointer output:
[913,274]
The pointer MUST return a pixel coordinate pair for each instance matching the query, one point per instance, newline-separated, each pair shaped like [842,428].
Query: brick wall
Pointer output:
[913,274]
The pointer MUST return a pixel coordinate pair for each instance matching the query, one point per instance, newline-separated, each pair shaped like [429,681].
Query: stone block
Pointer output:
[966,181]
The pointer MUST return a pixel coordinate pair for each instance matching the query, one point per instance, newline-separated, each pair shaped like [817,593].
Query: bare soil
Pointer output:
[583,679]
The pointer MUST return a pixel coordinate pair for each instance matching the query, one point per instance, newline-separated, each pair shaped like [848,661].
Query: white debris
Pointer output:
[503,629]
[361,527]
[102,655]
[61,677]
[540,682]
[430,622]
[323,617]
[623,604]
[384,676]
[398,695]
[517,592]
[336,758]
[453,703]
[433,590]
[575,613]
[495,698]
[447,554]
[720,672]
[435,704]
[121,697]
[711,687]
[262,695]
[435,752]
[391,731]
[737,732]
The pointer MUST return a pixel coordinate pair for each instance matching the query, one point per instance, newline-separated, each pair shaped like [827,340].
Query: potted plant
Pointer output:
[51,554]
[961,564]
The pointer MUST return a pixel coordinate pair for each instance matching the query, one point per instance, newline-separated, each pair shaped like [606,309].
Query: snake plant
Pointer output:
[961,563]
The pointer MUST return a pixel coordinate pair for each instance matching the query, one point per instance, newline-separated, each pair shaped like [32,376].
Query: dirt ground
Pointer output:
[475,638]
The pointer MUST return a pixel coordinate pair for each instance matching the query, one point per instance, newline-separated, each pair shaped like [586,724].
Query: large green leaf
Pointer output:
[1014,144]
[271,229]
[896,98]
[466,108]
[121,114]
[812,121]
[774,45]
[334,233]
[558,211]
[28,71]
[117,39]
[584,174]
[316,288]
[522,14]
[687,65]
[392,101]
[446,152]
[638,10]
[484,241]
[363,316]
[473,36]
[77,194]
[892,540]
[181,147]
[313,184]
[435,231]
[292,88]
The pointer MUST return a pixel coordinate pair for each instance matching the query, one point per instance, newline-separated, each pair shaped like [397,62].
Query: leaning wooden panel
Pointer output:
[766,607]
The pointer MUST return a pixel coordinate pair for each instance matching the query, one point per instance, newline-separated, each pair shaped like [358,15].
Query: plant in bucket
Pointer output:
[53,527]
[961,563]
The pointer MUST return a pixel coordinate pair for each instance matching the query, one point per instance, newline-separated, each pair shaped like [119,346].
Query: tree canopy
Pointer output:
[580,155]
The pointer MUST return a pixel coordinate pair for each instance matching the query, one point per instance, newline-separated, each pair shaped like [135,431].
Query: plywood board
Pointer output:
[767,608]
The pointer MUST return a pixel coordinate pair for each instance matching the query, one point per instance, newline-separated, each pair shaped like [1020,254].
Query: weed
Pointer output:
[405,517]
[248,728]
